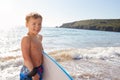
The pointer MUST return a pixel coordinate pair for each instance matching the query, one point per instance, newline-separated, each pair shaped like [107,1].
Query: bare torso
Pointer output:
[36,51]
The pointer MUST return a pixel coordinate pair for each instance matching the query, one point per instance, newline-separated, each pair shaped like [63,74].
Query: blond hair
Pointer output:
[32,15]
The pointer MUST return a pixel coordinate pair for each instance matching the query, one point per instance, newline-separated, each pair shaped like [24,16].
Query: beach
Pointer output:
[81,64]
[89,64]
[84,54]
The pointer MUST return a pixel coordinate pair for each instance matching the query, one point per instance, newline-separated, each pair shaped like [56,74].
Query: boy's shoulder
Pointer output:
[26,38]
[40,35]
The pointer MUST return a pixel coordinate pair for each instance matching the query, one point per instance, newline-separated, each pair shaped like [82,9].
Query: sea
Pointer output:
[58,39]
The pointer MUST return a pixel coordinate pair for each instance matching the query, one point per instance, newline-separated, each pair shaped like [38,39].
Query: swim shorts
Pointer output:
[24,73]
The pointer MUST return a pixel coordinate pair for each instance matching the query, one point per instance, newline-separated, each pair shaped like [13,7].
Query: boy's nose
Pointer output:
[37,26]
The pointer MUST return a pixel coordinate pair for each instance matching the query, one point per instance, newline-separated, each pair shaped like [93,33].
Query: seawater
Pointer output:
[79,38]
[99,52]
[58,38]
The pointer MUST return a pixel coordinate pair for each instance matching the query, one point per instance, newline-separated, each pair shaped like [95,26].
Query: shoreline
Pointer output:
[94,24]
[89,65]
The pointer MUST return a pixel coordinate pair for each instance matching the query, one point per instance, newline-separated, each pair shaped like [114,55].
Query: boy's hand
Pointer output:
[36,77]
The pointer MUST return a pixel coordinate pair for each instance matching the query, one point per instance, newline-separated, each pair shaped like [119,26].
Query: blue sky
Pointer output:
[57,12]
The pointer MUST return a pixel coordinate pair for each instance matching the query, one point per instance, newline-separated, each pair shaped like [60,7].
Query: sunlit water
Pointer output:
[84,44]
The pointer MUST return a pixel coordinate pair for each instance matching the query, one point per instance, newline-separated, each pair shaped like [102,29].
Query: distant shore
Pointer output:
[95,24]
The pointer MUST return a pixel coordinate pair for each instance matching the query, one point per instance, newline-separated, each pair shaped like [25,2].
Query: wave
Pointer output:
[87,53]
[100,63]
[83,63]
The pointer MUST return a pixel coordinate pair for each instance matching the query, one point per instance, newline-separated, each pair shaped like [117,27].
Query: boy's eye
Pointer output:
[33,24]
[39,24]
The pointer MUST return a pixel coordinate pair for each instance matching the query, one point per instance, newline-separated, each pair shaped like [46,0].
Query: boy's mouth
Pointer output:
[37,30]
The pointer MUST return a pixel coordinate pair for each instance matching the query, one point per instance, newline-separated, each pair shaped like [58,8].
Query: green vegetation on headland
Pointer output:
[95,24]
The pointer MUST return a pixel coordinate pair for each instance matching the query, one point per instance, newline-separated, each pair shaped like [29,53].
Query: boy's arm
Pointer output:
[41,42]
[41,38]
[25,46]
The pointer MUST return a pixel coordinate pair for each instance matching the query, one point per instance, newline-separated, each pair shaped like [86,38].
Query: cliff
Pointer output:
[95,24]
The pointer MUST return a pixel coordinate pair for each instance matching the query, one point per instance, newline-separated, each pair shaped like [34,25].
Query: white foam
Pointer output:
[11,53]
[99,59]
[98,52]
[9,70]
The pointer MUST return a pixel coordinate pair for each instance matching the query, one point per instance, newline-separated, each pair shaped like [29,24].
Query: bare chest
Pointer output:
[36,46]
[36,51]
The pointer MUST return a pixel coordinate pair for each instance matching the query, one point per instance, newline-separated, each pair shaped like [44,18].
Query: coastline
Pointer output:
[95,24]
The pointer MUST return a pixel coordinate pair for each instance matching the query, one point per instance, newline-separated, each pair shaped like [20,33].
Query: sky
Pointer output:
[57,12]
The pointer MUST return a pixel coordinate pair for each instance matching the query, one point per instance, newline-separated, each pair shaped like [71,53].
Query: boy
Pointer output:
[31,46]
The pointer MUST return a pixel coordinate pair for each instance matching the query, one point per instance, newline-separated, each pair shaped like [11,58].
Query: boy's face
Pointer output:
[34,25]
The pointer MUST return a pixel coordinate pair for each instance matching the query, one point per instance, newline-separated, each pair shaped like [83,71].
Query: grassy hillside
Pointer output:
[95,24]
